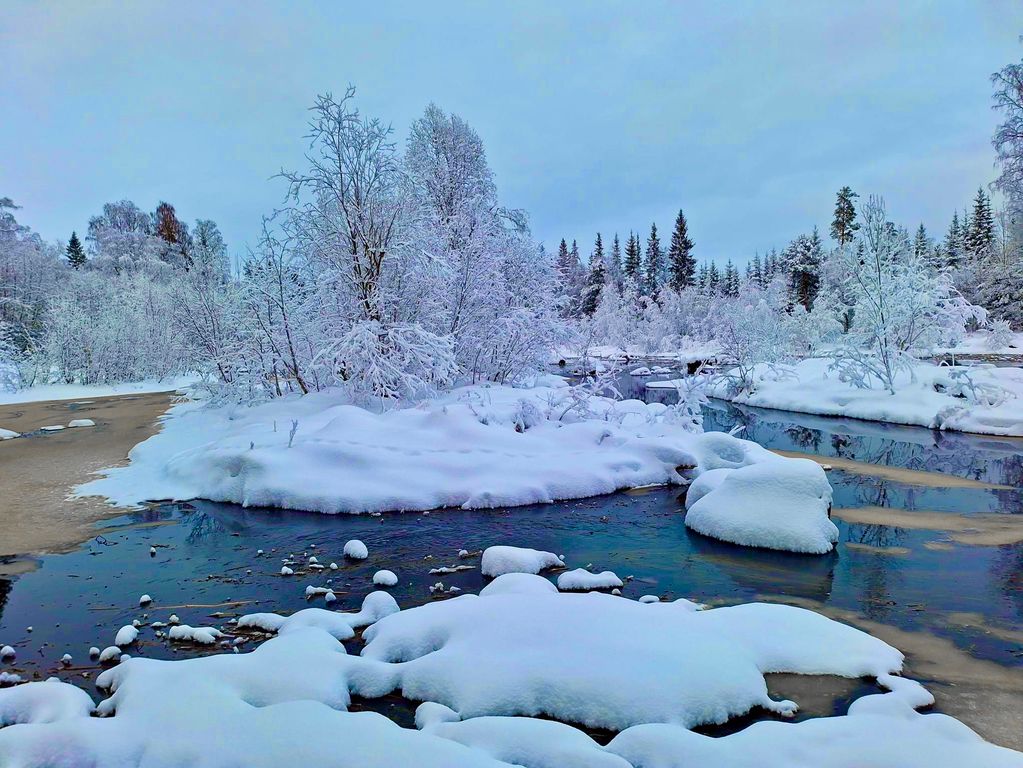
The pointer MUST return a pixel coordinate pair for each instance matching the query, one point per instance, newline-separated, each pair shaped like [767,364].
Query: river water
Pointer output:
[956,604]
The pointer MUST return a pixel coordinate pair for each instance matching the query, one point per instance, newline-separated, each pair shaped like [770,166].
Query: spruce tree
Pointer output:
[844,226]
[758,270]
[569,270]
[980,235]
[954,243]
[614,266]
[803,257]
[595,280]
[921,243]
[632,258]
[654,262]
[731,282]
[702,278]
[681,263]
[713,278]
[75,252]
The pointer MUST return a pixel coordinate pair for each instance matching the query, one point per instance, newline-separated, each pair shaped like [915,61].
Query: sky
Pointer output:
[597,116]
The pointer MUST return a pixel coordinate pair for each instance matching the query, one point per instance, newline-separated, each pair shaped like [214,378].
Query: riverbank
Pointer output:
[39,471]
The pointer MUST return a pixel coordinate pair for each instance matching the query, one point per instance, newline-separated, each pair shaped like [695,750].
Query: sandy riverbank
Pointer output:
[38,472]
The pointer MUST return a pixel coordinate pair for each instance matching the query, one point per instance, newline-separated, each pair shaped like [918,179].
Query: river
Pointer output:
[930,559]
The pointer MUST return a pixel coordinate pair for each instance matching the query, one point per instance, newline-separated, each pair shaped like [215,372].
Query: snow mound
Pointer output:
[356,550]
[126,635]
[81,423]
[581,579]
[201,635]
[776,505]
[499,560]
[385,578]
[375,606]
[477,447]
[8,434]
[607,662]
[43,702]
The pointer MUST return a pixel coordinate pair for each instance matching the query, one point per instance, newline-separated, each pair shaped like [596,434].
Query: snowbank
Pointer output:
[43,392]
[518,648]
[477,447]
[937,399]
[499,560]
[609,662]
[771,505]
[580,579]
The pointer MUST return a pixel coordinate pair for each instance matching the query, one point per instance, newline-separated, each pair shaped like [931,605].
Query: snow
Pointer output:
[110,653]
[52,428]
[375,606]
[8,434]
[201,635]
[534,652]
[499,560]
[581,579]
[81,423]
[482,665]
[465,449]
[385,578]
[938,398]
[126,635]
[770,504]
[45,392]
[356,550]
[145,599]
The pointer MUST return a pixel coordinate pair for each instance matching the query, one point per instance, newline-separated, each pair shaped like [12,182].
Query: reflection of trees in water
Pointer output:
[1007,575]
[875,534]
[805,437]
[202,527]
[5,590]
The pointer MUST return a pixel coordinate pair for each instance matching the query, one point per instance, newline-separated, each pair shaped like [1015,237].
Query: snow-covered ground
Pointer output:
[477,447]
[981,343]
[491,670]
[86,391]
[688,353]
[979,398]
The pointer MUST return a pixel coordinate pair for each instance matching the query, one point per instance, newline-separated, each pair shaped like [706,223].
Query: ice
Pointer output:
[8,434]
[502,559]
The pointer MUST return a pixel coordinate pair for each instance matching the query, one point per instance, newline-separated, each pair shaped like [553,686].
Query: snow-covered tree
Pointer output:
[844,226]
[902,307]
[596,278]
[1008,138]
[632,265]
[681,263]
[653,262]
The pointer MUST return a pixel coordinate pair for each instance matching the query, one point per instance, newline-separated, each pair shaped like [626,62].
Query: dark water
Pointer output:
[206,553]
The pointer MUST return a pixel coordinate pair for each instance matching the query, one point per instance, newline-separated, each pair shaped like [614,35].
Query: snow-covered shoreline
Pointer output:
[937,399]
[47,392]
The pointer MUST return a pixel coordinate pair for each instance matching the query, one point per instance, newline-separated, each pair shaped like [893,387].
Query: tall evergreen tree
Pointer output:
[954,243]
[803,257]
[654,262]
[703,278]
[844,226]
[570,272]
[595,280]
[75,252]
[681,263]
[731,281]
[713,278]
[614,266]
[980,235]
[922,243]
[758,270]
[632,258]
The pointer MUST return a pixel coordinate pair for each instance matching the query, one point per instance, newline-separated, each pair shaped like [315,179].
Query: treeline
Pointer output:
[391,272]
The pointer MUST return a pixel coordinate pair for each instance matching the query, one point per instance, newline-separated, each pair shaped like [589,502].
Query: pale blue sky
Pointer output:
[596,115]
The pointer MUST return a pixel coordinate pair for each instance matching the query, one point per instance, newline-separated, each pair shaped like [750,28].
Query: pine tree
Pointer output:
[713,278]
[844,226]
[955,243]
[758,270]
[632,260]
[702,279]
[731,282]
[614,267]
[803,257]
[75,252]
[654,262]
[595,280]
[980,235]
[922,243]
[681,263]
